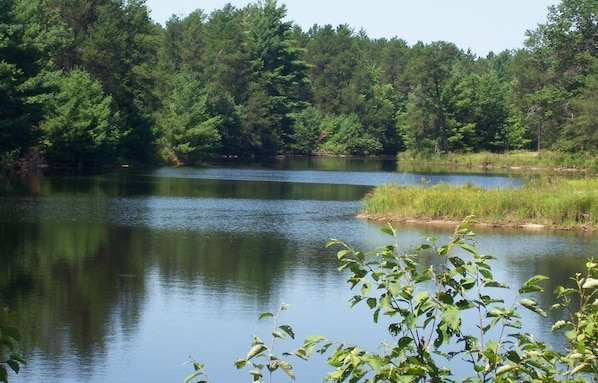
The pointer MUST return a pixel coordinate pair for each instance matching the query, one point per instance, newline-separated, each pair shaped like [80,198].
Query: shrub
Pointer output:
[430,298]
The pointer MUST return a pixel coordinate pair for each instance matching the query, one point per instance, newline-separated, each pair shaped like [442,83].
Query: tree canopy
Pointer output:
[92,83]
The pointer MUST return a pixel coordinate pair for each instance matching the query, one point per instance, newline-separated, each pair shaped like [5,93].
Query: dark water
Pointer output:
[120,277]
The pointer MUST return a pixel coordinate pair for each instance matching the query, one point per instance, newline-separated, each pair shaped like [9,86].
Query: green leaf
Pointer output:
[14,365]
[372,302]
[496,284]
[343,253]
[287,368]
[365,288]
[18,358]
[312,339]
[410,320]
[405,342]
[469,248]
[581,367]
[388,230]
[530,286]
[464,304]
[533,306]
[255,350]
[394,288]
[240,363]
[191,377]
[265,315]
[504,369]
[456,261]
[288,330]
[468,283]
[451,316]
[496,312]
[257,375]
[375,362]
[590,283]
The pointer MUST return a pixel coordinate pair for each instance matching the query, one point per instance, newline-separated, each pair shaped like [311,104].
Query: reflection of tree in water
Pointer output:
[76,292]
[551,254]
[247,264]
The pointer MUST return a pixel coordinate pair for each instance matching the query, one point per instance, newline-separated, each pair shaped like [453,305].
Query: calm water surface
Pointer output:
[120,277]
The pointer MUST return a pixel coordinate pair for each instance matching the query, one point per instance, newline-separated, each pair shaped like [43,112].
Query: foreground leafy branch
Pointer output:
[10,335]
[447,319]
[261,356]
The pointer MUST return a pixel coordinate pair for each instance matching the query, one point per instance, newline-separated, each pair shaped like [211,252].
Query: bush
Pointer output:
[430,297]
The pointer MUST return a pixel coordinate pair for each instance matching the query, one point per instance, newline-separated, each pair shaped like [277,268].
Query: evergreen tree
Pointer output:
[116,42]
[79,126]
[186,131]
[278,78]
[426,123]
[225,62]
[333,56]
[30,34]
[562,51]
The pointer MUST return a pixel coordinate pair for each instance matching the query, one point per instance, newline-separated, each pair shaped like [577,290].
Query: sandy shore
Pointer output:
[448,222]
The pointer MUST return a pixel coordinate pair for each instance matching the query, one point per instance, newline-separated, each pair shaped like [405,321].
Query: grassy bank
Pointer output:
[516,159]
[548,201]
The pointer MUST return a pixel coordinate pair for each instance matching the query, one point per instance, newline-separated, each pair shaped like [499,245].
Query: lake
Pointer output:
[123,275]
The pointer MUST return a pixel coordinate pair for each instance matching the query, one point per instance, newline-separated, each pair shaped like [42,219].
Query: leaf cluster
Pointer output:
[10,336]
[449,319]
[261,358]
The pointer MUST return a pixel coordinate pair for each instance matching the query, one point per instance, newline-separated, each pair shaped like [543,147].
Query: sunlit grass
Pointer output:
[550,201]
[544,159]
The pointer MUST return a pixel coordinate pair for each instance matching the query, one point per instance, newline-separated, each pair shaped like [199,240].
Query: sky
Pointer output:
[479,25]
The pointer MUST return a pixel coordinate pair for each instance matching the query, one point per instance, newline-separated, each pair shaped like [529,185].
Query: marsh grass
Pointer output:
[526,159]
[550,201]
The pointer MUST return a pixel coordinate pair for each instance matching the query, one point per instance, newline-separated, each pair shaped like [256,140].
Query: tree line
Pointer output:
[98,82]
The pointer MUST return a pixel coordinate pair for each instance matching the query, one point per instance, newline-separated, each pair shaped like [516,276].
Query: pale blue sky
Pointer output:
[480,25]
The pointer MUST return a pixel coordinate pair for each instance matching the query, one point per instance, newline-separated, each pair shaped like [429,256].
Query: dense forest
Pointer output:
[90,83]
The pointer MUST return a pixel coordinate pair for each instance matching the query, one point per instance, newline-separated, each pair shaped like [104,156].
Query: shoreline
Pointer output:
[485,224]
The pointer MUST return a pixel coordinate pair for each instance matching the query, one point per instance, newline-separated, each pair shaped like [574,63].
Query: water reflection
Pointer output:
[120,276]
[338,177]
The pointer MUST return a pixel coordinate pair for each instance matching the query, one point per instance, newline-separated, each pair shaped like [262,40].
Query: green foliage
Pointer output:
[225,59]
[334,57]
[278,78]
[29,37]
[260,358]
[79,126]
[550,201]
[307,135]
[116,42]
[428,301]
[260,72]
[525,159]
[580,131]
[344,134]
[9,337]
[580,326]
[187,132]
[230,126]
[448,319]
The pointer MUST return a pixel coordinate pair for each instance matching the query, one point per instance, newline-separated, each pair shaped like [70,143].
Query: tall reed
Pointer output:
[550,201]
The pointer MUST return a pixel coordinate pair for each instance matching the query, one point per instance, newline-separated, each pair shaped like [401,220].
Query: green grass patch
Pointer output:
[551,201]
[526,159]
